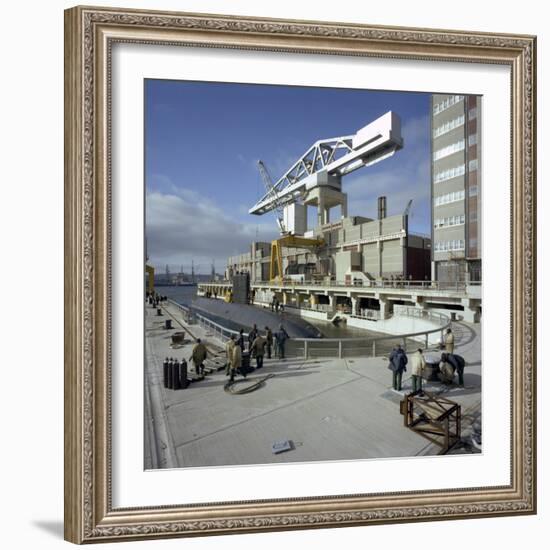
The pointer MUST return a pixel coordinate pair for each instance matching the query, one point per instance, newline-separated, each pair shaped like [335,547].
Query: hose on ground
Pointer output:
[229,387]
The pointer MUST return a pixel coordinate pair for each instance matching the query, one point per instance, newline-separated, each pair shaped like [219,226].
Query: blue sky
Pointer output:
[203,140]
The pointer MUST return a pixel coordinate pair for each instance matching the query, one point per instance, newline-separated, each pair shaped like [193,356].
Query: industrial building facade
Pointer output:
[456,188]
[356,250]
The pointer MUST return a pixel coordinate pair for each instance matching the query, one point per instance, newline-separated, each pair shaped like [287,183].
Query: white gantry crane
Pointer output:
[315,179]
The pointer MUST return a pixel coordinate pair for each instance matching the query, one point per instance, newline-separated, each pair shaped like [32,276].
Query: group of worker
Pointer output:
[256,344]
[450,363]
[276,306]
[153,298]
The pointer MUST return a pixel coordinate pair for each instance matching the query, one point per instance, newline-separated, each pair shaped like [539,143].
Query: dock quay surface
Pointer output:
[328,408]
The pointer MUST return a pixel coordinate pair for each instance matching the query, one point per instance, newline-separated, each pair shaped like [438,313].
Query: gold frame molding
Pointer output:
[89,35]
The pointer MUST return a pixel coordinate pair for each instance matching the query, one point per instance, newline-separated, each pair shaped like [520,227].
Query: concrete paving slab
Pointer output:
[331,409]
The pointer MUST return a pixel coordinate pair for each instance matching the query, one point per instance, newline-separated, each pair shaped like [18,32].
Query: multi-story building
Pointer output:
[456,187]
[354,249]
[255,263]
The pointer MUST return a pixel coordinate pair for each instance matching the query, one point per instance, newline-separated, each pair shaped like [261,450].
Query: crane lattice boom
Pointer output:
[334,156]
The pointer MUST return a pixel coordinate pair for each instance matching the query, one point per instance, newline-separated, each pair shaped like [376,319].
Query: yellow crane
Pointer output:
[150,270]
[288,241]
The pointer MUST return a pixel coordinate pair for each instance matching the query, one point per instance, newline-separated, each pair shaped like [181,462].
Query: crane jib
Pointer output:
[326,161]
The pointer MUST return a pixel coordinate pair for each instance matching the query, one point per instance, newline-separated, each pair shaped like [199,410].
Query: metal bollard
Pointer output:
[168,324]
[159,311]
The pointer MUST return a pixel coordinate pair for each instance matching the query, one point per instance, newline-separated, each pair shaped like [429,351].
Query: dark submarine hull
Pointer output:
[237,316]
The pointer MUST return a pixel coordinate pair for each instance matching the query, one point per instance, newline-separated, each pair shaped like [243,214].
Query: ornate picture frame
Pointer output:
[90,34]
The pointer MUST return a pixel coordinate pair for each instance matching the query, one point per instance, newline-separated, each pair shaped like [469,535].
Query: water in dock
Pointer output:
[185,295]
[341,330]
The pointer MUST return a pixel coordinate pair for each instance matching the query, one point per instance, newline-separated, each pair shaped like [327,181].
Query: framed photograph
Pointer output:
[300,274]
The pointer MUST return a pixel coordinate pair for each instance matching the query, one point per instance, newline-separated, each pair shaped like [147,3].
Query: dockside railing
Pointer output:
[367,346]
[456,286]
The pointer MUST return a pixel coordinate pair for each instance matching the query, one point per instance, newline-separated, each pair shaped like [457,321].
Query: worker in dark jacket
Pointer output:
[252,336]
[457,363]
[281,337]
[240,340]
[398,360]
[268,341]
[258,348]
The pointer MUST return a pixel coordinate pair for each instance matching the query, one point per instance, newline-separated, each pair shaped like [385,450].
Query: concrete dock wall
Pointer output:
[396,324]
[400,325]
[307,313]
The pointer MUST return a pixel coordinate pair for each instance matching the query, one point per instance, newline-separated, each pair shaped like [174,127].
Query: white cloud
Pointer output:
[185,226]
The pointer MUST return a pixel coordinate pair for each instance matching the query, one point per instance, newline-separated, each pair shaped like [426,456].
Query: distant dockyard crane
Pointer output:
[278,207]
[315,179]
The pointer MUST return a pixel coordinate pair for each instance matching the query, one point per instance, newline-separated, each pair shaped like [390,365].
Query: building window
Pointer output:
[472,165]
[449,197]
[473,215]
[449,246]
[448,126]
[472,113]
[449,221]
[472,139]
[446,103]
[449,150]
[473,242]
[449,174]
[472,191]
